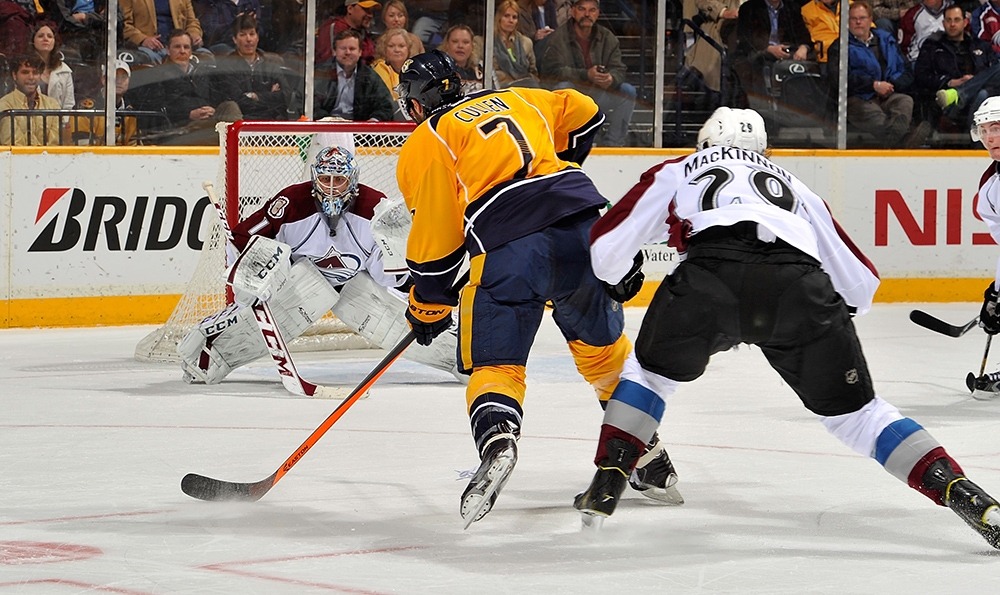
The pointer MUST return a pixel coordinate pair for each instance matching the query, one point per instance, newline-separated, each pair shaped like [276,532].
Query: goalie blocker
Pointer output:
[298,296]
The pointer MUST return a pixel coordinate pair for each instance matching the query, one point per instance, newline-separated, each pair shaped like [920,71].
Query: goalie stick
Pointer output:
[939,326]
[216,490]
[277,348]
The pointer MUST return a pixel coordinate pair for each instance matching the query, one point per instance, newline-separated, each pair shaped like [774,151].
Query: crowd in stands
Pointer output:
[912,67]
[184,65]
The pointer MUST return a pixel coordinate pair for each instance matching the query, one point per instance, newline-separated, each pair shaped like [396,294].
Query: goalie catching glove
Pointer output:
[630,284]
[427,320]
[989,318]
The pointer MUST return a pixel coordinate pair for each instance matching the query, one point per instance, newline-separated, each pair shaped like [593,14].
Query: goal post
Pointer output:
[256,160]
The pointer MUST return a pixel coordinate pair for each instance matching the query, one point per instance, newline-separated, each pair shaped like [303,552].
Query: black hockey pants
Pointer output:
[734,288]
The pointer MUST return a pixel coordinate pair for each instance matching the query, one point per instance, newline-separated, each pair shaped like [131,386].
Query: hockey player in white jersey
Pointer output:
[328,243]
[986,129]
[763,263]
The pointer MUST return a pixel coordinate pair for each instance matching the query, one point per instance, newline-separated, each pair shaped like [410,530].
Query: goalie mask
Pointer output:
[737,128]
[430,80]
[335,181]
[988,112]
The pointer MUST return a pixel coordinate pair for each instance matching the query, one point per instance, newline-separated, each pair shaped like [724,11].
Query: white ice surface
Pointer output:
[93,446]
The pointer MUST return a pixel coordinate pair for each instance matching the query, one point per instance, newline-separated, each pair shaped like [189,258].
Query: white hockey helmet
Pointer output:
[737,128]
[335,162]
[989,111]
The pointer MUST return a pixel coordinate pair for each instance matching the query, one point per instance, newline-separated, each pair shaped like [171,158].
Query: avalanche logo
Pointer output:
[338,268]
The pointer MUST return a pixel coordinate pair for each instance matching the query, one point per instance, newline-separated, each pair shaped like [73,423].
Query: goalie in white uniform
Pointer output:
[328,243]
[764,264]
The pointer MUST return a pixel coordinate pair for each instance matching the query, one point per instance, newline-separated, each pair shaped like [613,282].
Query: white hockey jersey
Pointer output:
[721,186]
[988,207]
[293,217]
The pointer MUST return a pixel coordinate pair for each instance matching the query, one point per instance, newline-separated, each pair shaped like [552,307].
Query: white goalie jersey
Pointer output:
[293,218]
[722,186]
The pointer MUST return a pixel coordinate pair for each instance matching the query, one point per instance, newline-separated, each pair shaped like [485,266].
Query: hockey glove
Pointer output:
[989,318]
[427,320]
[630,284]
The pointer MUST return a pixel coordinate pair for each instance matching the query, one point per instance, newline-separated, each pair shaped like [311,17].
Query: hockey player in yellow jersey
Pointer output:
[495,176]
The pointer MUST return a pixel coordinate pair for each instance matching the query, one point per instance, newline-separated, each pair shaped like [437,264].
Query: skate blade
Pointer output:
[497,474]
[669,496]
[984,395]
[591,521]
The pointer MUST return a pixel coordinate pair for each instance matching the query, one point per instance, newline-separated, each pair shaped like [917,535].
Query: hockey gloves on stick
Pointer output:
[427,320]
[630,284]
[989,318]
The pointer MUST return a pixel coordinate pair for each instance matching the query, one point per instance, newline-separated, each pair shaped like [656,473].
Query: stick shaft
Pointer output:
[986,353]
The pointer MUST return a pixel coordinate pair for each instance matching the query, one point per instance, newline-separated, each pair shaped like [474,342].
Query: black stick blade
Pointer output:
[216,490]
[970,381]
[939,326]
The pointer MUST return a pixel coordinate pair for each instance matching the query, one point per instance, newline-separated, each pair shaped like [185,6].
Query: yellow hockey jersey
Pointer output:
[490,169]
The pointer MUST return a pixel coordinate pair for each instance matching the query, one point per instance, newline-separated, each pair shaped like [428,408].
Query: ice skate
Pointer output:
[601,498]
[654,475]
[985,387]
[969,501]
[499,458]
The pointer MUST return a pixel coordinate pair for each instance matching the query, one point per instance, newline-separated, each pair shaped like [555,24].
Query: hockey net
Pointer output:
[256,160]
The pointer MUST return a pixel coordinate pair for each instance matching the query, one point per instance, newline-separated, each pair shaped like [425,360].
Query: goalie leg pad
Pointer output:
[378,314]
[220,343]
[231,338]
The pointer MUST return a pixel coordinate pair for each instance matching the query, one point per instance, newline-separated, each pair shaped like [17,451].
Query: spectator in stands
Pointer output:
[960,68]
[918,24]
[395,16]
[822,19]
[432,17]
[459,43]
[586,56]
[146,25]
[350,89]
[358,17]
[26,69]
[391,50]
[217,18]
[877,78]
[184,90]
[718,21]
[16,22]
[252,80]
[82,25]
[57,78]
[537,19]
[886,14]
[287,26]
[768,31]
[986,23]
[91,131]
[513,53]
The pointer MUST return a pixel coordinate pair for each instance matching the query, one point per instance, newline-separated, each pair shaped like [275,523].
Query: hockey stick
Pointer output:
[206,488]
[216,490]
[277,348]
[970,380]
[939,326]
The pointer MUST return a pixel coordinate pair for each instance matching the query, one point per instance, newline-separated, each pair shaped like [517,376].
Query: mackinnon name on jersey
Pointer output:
[491,105]
[718,154]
